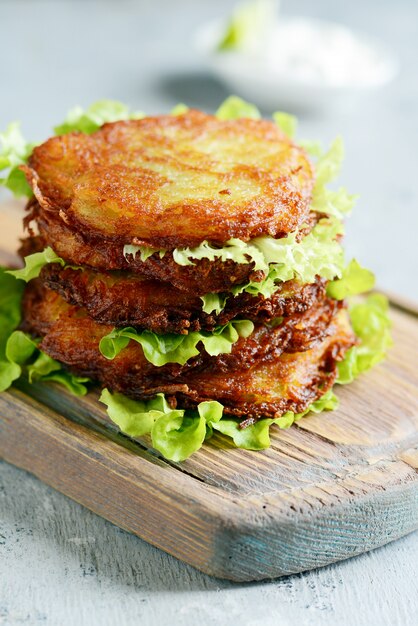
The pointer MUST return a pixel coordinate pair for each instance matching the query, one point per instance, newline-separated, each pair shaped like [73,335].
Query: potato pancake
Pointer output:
[126,299]
[257,379]
[174,180]
[204,276]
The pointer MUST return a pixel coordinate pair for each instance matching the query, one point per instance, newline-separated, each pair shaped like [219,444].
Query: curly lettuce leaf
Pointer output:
[10,298]
[89,120]
[144,251]
[172,348]
[313,148]
[14,151]
[257,436]
[327,167]
[179,109]
[34,263]
[354,280]
[234,250]
[20,348]
[336,203]
[371,324]
[286,122]
[178,437]
[213,303]
[18,351]
[175,433]
[319,253]
[234,108]
[11,292]
[134,417]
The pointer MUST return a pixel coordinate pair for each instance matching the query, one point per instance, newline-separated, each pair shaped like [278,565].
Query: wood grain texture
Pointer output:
[336,485]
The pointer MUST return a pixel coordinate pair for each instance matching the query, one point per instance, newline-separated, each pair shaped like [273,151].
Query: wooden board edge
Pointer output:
[258,554]
[107,478]
[227,538]
[400,302]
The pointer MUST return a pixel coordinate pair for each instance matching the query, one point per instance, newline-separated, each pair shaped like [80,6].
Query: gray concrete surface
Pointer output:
[60,564]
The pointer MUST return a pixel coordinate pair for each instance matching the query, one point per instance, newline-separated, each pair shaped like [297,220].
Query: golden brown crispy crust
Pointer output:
[256,380]
[46,311]
[126,299]
[174,181]
[203,277]
[81,249]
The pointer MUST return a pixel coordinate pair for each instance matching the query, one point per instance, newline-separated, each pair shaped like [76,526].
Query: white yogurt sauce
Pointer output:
[318,52]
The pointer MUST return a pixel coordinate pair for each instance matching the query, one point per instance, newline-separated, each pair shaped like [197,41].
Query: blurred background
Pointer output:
[152,54]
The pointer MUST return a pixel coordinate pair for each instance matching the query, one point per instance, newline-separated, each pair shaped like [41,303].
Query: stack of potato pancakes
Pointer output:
[185,258]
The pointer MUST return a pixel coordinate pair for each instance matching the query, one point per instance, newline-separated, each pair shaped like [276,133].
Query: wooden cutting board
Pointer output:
[336,485]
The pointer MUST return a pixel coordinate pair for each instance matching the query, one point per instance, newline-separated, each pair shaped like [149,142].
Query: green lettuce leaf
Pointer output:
[46,369]
[327,402]
[19,352]
[371,324]
[234,250]
[248,26]
[327,167]
[11,292]
[336,203]
[134,417]
[234,108]
[175,433]
[213,302]
[34,263]
[179,109]
[14,151]
[257,436]
[74,384]
[281,259]
[171,348]
[319,253]
[178,437]
[20,347]
[99,113]
[286,122]
[178,433]
[354,280]
[144,251]
[313,148]
[9,372]
[10,298]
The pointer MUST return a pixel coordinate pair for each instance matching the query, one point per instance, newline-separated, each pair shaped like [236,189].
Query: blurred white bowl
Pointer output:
[304,64]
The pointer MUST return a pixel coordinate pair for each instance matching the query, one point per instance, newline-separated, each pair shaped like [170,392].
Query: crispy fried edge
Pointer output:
[283,201]
[203,277]
[122,373]
[129,301]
